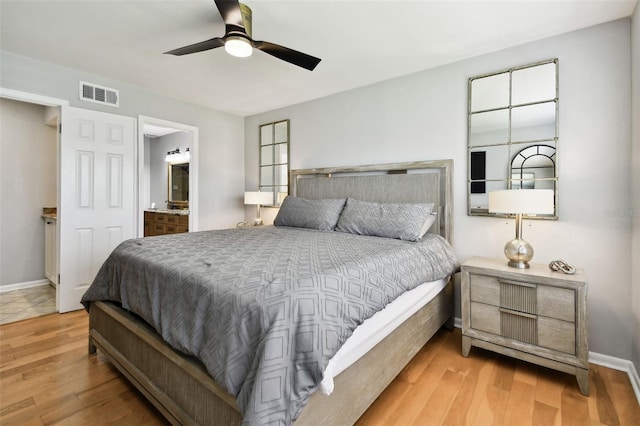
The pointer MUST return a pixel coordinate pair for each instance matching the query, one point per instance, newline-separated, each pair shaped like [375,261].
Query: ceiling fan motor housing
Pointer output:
[246,18]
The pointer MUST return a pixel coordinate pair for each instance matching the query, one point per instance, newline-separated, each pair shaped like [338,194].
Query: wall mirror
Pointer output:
[179,185]
[274,159]
[512,133]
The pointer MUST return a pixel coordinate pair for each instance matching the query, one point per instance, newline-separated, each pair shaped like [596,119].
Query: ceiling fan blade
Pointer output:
[231,15]
[292,56]
[197,47]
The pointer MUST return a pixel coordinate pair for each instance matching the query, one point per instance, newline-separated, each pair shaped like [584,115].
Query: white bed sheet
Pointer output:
[376,328]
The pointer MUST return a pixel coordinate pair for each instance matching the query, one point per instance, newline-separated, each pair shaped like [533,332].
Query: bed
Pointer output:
[183,390]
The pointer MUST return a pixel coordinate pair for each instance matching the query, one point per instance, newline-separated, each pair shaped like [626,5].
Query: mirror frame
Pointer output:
[512,147]
[271,187]
[170,200]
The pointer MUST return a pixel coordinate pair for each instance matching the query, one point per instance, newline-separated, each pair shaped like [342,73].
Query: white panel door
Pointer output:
[97,196]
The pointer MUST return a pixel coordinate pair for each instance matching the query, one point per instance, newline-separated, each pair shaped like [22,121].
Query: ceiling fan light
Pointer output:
[238,46]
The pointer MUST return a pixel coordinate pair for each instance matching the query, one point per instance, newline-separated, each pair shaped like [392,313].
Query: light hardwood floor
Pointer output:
[47,377]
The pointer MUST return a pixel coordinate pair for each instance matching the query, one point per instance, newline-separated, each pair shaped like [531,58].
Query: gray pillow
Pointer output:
[404,221]
[314,214]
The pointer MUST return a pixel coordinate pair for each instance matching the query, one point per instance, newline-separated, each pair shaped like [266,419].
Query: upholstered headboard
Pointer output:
[423,182]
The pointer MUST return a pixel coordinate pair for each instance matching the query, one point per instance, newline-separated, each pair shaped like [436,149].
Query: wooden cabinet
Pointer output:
[534,314]
[158,223]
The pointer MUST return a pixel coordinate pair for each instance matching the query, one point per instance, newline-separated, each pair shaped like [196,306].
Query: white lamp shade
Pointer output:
[258,197]
[521,201]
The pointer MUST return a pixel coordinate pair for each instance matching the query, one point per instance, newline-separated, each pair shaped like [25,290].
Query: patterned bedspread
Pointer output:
[265,308]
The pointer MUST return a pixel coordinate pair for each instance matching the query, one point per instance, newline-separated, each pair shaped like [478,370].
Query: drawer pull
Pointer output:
[519,326]
[519,283]
[520,314]
[521,298]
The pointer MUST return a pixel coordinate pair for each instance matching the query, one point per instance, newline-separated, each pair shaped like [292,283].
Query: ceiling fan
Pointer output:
[237,39]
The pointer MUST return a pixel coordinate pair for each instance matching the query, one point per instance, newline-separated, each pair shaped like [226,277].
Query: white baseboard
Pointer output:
[20,286]
[621,365]
[605,361]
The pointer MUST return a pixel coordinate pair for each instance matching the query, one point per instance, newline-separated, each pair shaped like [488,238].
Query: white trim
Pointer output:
[193,169]
[32,98]
[457,322]
[22,286]
[605,361]
[620,365]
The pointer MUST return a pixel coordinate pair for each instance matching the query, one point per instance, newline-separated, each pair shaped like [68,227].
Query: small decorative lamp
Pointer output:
[258,198]
[520,202]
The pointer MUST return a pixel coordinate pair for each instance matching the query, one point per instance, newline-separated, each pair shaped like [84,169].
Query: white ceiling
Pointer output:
[153,131]
[360,42]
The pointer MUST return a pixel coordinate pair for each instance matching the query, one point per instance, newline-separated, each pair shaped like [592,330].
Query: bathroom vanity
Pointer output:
[161,222]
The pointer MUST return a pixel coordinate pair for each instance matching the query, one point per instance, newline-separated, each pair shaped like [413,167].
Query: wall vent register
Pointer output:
[99,94]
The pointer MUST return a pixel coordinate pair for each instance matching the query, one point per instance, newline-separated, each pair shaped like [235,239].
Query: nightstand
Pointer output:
[534,315]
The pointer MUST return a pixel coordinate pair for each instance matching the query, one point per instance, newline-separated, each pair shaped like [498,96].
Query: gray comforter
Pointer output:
[265,309]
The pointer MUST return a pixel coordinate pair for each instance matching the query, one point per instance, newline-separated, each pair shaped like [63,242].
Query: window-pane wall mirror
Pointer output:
[512,133]
[274,159]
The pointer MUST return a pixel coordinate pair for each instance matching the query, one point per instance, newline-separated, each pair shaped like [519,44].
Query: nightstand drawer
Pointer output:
[535,299]
[557,335]
[536,330]
[555,302]
[504,322]
[485,318]
[485,289]
[514,295]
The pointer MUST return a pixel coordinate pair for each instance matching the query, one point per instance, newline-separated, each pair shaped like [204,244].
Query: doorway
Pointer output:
[30,125]
[160,137]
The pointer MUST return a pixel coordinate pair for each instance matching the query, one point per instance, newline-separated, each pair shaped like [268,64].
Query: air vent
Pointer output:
[102,95]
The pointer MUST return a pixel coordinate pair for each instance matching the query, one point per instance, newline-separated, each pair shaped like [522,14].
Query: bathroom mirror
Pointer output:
[512,133]
[178,183]
[274,160]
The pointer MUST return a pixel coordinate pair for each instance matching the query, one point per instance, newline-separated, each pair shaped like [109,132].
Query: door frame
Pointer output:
[193,169]
[62,104]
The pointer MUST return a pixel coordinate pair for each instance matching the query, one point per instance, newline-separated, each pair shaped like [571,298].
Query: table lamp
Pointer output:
[520,202]
[258,198]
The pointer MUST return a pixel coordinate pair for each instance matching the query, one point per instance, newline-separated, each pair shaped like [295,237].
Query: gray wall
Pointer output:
[28,165]
[221,135]
[423,116]
[635,189]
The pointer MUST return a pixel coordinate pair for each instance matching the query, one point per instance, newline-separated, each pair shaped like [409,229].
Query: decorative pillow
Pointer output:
[314,214]
[404,221]
[427,224]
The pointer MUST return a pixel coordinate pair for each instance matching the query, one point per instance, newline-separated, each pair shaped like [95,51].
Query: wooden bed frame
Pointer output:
[181,389]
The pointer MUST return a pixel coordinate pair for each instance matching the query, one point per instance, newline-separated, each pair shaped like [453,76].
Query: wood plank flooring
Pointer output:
[47,377]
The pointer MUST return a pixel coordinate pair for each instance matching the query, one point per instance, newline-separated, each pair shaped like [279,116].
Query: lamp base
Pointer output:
[519,252]
[519,265]
[257,221]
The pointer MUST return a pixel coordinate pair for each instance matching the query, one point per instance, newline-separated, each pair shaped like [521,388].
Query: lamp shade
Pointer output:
[521,201]
[258,197]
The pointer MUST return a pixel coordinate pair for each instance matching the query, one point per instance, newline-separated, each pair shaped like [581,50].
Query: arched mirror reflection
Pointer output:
[512,132]
[534,167]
